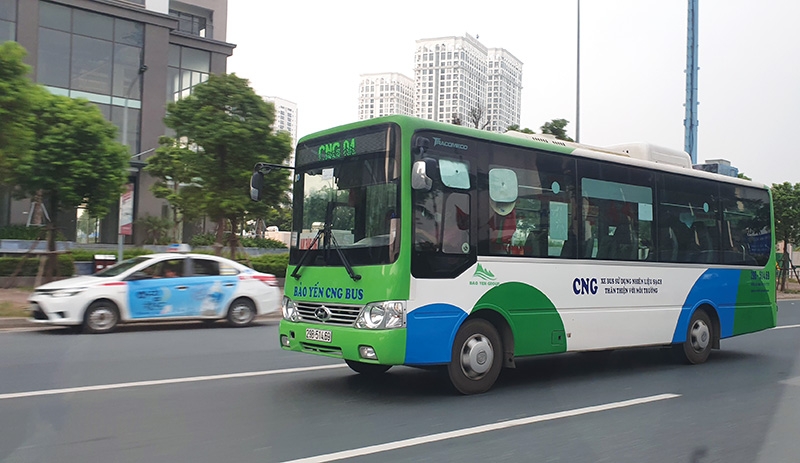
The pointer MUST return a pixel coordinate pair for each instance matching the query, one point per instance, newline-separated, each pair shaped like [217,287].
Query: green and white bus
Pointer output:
[421,243]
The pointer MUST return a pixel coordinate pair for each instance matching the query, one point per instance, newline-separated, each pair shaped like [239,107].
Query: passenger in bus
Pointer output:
[502,225]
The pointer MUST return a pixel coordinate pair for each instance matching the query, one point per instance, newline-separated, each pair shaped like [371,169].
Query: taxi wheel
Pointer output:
[241,313]
[100,317]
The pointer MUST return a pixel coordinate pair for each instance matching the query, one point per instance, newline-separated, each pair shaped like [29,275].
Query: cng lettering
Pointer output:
[582,286]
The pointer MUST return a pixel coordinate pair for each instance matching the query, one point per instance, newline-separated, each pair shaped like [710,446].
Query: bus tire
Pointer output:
[367,369]
[101,317]
[699,339]
[476,357]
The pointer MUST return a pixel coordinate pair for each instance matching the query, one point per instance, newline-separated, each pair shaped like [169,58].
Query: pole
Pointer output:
[120,236]
[578,81]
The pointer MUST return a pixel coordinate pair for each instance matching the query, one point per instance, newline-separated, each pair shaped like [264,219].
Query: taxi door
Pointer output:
[163,293]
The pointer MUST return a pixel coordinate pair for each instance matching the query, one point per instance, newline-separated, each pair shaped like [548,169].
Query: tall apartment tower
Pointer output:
[285,116]
[504,90]
[455,76]
[384,94]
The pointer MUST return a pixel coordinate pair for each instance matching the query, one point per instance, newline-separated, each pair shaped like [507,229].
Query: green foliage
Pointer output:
[515,128]
[66,266]
[231,127]
[741,175]
[172,168]
[207,239]
[786,201]
[22,232]
[18,96]
[557,127]
[75,160]
[271,263]
[156,229]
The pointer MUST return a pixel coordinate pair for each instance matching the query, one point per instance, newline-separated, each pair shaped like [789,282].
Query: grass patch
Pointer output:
[10,309]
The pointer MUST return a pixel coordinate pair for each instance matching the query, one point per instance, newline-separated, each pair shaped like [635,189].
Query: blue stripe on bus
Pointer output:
[718,285]
[427,341]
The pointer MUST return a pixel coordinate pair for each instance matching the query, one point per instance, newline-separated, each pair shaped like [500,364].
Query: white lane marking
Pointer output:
[479,429]
[785,326]
[159,382]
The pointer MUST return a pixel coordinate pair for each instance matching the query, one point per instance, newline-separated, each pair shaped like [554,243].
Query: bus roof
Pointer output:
[643,155]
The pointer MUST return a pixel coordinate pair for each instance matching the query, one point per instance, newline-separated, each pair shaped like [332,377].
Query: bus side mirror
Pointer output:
[256,183]
[419,177]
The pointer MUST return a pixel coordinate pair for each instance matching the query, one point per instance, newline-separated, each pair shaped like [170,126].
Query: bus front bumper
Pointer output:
[388,347]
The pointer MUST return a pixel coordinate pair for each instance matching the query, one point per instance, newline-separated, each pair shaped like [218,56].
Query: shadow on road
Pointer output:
[158,326]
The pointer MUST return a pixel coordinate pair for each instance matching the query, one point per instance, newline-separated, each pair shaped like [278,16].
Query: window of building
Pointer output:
[187,68]
[8,20]
[83,54]
[192,24]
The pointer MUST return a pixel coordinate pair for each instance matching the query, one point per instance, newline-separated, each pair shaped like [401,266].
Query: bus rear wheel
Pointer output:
[699,339]
[476,358]
[367,369]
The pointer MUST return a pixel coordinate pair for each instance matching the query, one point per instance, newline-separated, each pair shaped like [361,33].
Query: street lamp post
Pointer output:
[578,81]
[121,237]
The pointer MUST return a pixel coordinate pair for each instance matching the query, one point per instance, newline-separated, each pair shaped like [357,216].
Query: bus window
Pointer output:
[688,222]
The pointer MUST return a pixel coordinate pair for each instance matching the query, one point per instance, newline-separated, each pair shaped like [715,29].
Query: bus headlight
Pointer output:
[382,315]
[289,309]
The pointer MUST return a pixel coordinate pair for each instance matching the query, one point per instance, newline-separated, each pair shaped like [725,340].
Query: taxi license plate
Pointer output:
[313,334]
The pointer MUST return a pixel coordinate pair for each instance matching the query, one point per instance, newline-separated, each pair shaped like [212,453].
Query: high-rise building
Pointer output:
[459,79]
[384,94]
[504,90]
[285,116]
[127,57]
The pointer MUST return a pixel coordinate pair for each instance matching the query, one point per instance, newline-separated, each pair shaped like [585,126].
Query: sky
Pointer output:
[632,62]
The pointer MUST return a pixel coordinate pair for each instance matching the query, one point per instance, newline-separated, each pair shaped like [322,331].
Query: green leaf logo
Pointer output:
[484,274]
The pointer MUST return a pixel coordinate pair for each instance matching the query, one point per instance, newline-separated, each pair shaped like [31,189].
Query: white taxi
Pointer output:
[158,287]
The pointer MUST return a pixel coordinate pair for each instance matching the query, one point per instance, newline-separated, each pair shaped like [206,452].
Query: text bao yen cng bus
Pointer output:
[421,243]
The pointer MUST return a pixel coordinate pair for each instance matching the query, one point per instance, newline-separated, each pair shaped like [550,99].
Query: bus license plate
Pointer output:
[313,334]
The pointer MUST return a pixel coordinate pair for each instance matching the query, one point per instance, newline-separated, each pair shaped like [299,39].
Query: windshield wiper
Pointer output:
[330,240]
[305,255]
[344,260]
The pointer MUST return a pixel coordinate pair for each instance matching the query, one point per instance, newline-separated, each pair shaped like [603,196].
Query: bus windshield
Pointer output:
[347,197]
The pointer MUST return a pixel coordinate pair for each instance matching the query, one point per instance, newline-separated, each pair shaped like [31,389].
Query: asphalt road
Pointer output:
[187,393]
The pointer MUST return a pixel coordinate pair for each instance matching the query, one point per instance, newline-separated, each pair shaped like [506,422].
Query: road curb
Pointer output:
[15,322]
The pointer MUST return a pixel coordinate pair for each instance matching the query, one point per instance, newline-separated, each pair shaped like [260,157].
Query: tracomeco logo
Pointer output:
[449,144]
[483,277]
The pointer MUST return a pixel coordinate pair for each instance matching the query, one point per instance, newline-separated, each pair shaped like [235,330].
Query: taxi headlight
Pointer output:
[67,292]
[382,315]
[289,309]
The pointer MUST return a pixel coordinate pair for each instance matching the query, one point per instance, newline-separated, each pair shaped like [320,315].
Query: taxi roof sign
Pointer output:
[179,247]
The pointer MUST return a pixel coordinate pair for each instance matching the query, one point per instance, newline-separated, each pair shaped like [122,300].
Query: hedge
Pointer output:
[271,263]
[66,266]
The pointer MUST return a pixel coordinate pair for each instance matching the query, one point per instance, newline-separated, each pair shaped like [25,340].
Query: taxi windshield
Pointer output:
[121,267]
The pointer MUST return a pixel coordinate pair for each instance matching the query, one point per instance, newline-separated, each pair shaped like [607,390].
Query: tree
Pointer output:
[17,98]
[231,127]
[515,128]
[172,166]
[786,202]
[741,175]
[476,117]
[557,127]
[74,161]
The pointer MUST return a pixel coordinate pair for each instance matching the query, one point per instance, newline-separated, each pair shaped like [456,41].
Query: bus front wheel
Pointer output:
[699,339]
[476,358]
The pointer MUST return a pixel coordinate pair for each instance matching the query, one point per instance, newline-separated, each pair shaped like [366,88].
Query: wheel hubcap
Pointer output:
[101,319]
[477,356]
[242,314]
[700,336]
